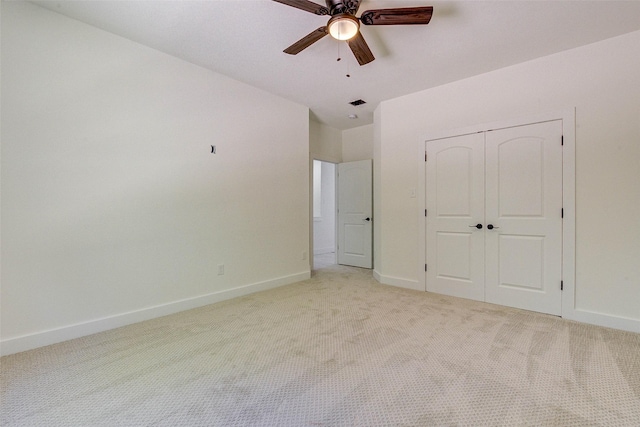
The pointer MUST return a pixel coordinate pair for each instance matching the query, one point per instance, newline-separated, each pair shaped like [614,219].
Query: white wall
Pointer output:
[601,82]
[357,143]
[325,142]
[324,227]
[113,208]
[377,193]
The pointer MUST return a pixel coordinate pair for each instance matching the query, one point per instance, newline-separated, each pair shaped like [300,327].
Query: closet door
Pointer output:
[523,229]
[455,206]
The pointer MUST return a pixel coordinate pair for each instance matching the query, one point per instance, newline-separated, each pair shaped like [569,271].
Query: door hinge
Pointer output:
[425,212]
[425,156]
[561,285]
[562,213]
[562,140]
[425,267]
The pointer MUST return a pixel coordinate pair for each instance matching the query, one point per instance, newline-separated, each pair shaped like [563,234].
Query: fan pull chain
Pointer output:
[340,59]
[348,70]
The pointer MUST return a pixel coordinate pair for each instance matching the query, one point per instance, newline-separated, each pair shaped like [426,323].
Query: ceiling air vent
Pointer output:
[357,102]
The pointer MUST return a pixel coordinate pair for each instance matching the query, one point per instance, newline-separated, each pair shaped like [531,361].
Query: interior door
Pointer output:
[523,216]
[355,219]
[455,216]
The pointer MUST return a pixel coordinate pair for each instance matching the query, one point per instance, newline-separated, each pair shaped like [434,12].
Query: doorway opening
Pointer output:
[324,214]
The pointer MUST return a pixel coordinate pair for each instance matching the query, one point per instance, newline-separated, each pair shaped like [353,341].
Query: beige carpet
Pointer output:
[338,349]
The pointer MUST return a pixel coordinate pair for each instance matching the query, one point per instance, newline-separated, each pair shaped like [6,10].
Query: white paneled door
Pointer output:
[494,228]
[355,219]
[455,206]
[524,246]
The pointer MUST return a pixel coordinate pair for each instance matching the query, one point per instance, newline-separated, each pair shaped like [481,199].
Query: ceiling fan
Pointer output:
[344,25]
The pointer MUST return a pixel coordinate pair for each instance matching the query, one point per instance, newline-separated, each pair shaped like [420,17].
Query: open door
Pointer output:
[355,219]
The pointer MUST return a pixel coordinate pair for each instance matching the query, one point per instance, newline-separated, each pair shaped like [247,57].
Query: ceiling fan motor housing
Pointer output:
[342,6]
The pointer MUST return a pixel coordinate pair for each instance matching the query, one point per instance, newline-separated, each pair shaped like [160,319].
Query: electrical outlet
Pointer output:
[220,269]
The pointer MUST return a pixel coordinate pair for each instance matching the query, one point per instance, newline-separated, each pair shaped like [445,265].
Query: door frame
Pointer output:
[568,193]
[311,251]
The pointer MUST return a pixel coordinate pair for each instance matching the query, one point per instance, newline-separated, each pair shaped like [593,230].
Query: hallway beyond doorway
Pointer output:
[324,260]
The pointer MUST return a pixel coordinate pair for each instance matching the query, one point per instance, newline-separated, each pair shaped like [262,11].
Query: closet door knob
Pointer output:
[491,227]
[478,226]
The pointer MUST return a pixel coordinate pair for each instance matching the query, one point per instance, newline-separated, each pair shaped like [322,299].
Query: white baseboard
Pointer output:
[606,320]
[53,336]
[397,281]
[590,317]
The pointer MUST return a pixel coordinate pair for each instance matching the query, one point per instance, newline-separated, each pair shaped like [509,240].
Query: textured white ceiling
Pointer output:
[244,39]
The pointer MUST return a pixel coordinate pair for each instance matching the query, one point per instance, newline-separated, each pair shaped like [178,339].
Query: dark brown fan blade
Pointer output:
[306,41]
[400,16]
[360,49]
[306,5]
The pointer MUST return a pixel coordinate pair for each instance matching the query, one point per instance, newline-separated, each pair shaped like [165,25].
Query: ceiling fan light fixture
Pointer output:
[343,26]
